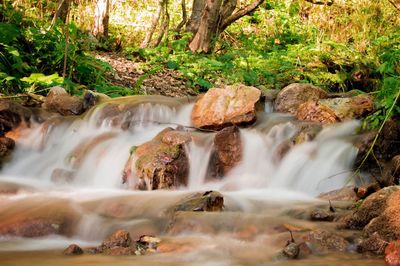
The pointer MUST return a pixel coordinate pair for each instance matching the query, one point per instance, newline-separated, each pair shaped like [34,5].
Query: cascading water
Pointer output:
[92,152]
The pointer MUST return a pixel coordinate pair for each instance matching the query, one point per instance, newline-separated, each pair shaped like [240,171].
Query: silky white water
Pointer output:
[97,152]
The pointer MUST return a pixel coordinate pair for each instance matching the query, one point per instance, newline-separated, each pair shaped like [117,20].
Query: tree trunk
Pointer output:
[62,11]
[153,26]
[164,23]
[101,18]
[184,17]
[211,17]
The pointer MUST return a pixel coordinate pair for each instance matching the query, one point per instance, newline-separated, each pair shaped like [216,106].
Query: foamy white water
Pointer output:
[96,150]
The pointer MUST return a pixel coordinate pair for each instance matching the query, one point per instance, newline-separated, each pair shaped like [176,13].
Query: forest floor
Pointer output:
[127,73]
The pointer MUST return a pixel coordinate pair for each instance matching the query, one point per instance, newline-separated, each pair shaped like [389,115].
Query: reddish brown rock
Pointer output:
[373,244]
[59,101]
[392,253]
[372,207]
[350,107]
[6,146]
[221,107]
[335,109]
[120,251]
[73,250]
[313,112]
[292,96]
[32,228]
[387,224]
[158,165]
[324,241]
[120,238]
[227,150]
[366,190]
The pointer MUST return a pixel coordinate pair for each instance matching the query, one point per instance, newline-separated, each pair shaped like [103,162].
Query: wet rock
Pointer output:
[304,250]
[373,244]
[292,96]
[306,132]
[392,253]
[32,228]
[120,251]
[344,194]
[387,223]
[221,107]
[281,150]
[147,244]
[73,250]
[210,201]
[93,250]
[324,241]
[291,251]
[6,146]
[322,215]
[314,112]
[120,238]
[364,191]
[59,101]
[335,109]
[174,137]
[227,151]
[158,165]
[391,172]
[12,115]
[370,208]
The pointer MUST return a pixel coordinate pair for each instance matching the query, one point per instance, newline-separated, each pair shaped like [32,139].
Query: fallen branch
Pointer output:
[394,4]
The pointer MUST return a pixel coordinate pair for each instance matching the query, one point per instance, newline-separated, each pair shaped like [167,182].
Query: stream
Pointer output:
[259,192]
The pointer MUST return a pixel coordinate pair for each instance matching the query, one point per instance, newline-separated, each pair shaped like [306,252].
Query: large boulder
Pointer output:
[335,109]
[227,151]
[387,224]
[221,107]
[59,101]
[372,207]
[161,163]
[292,96]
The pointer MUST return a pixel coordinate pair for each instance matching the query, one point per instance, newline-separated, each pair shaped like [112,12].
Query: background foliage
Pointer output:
[350,45]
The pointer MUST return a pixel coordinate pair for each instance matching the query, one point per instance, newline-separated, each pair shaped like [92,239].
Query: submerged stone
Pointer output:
[73,249]
[210,201]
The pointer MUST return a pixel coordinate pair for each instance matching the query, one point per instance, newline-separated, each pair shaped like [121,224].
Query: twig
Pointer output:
[370,150]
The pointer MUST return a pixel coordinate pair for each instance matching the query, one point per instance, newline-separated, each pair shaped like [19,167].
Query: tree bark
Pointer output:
[101,18]
[164,23]
[184,17]
[62,11]
[154,24]
[211,17]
